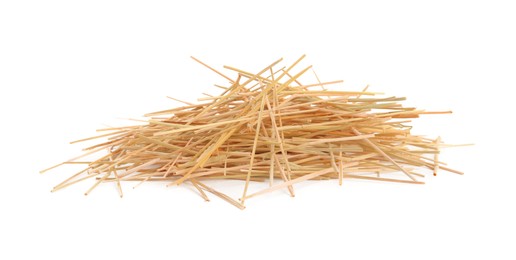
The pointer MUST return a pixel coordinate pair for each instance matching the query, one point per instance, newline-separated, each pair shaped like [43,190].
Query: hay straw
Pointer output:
[267,127]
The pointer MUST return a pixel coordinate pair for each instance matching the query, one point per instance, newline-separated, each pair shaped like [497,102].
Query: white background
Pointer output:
[69,67]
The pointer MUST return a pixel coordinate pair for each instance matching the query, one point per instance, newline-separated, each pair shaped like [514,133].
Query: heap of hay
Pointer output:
[268,127]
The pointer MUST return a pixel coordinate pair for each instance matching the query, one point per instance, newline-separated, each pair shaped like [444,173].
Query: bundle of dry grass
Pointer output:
[266,126]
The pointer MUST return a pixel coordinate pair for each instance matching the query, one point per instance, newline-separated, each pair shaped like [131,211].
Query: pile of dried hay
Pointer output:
[266,126]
